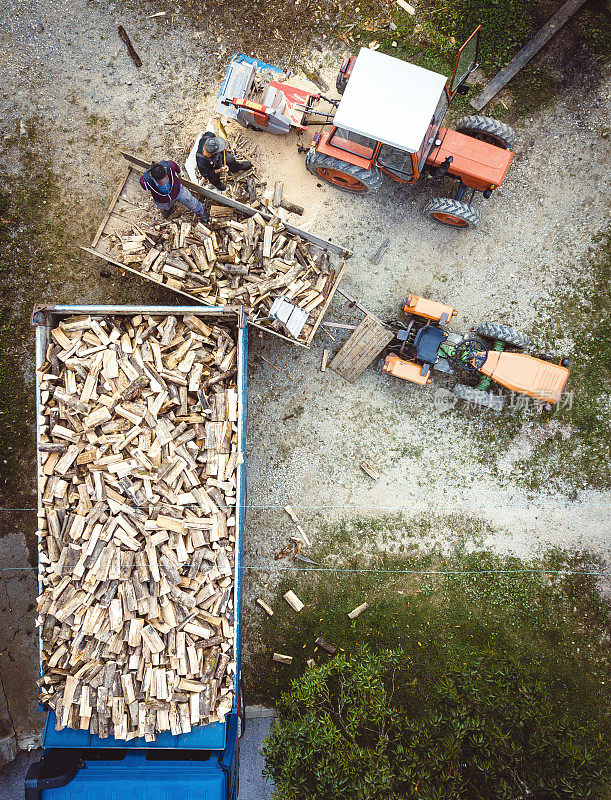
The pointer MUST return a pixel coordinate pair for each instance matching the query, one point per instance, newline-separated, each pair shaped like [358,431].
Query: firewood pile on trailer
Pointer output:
[281,280]
[138,427]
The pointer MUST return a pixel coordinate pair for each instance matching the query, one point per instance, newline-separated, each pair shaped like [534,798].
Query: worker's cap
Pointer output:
[214,145]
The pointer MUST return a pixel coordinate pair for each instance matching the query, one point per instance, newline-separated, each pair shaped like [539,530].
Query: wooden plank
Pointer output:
[367,341]
[552,26]
[110,208]
[327,303]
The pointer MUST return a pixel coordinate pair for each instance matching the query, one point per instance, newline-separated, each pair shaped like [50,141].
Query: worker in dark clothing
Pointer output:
[163,182]
[214,160]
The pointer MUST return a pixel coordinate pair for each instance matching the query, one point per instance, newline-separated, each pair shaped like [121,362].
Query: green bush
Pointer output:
[373,726]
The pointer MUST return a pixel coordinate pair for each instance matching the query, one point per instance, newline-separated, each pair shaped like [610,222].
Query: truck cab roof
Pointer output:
[389,100]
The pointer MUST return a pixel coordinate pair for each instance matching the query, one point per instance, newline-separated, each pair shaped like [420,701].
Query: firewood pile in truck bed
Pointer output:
[138,449]
[234,260]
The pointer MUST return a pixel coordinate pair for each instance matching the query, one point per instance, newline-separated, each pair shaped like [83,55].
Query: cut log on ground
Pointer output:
[324,645]
[137,528]
[265,607]
[294,602]
[358,610]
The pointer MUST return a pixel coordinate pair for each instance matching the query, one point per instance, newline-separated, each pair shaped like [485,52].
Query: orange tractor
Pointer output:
[388,121]
[423,344]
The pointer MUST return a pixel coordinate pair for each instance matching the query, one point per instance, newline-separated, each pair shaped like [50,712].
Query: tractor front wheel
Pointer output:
[487,129]
[478,397]
[503,333]
[342,175]
[452,212]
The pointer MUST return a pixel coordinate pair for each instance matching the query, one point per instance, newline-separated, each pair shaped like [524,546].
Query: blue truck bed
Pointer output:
[202,764]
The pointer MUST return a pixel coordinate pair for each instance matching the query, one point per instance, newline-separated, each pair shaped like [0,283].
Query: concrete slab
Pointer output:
[253,785]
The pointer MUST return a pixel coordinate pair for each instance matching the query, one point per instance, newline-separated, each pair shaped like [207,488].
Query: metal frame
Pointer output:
[476,32]
[43,318]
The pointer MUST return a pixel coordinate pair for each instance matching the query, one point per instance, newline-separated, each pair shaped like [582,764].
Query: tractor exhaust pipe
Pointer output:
[443,168]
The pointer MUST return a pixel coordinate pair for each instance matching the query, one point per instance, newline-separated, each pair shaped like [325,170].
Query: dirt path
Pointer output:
[63,66]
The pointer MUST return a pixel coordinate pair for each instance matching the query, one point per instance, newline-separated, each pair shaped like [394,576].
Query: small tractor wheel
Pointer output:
[452,212]
[342,175]
[487,129]
[478,397]
[503,333]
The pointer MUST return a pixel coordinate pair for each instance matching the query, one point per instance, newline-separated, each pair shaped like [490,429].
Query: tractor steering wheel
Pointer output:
[470,354]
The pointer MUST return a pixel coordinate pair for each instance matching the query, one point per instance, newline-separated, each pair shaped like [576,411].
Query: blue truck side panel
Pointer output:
[206,737]
[137,774]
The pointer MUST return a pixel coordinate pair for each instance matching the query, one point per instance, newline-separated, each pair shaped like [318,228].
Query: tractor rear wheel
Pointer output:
[487,129]
[342,175]
[478,397]
[452,212]
[503,333]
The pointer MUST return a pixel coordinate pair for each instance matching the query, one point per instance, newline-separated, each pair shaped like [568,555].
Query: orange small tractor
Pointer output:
[424,344]
[388,121]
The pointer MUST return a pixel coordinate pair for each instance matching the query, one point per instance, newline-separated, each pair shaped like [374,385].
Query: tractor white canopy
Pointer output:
[389,100]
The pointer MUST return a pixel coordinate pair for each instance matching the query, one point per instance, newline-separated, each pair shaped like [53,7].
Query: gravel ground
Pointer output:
[64,66]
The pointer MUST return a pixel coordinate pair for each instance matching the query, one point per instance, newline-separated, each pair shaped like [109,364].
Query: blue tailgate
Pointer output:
[137,778]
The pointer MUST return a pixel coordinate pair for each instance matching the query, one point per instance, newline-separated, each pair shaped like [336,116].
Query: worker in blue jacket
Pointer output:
[162,180]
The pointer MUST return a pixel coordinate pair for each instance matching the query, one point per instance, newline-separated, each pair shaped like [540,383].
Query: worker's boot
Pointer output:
[242,166]
[166,212]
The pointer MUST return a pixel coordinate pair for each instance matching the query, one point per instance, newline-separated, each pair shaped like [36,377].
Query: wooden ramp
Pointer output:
[367,341]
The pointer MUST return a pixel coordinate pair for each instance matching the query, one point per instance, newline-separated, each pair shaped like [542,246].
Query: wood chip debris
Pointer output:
[138,450]
[234,260]
[371,471]
[291,512]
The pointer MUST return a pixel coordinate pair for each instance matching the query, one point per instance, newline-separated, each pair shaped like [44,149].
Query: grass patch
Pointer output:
[586,411]
[432,36]
[33,246]
[457,603]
